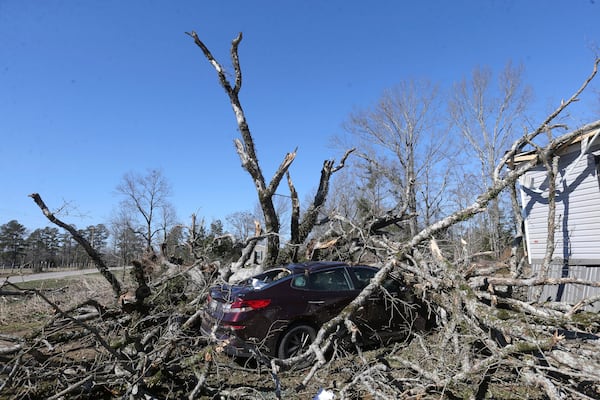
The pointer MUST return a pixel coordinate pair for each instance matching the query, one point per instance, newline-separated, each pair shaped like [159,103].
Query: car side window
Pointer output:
[363,276]
[299,282]
[332,280]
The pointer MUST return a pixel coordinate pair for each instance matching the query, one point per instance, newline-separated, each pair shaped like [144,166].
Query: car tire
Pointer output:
[295,341]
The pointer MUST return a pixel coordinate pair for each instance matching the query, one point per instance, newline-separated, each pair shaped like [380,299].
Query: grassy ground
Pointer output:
[22,314]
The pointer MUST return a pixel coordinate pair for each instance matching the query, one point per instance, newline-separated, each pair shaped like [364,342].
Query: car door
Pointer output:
[384,309]
[373,313]
[327,293]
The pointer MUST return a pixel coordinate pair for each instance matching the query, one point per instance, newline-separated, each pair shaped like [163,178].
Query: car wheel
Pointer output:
[295,341]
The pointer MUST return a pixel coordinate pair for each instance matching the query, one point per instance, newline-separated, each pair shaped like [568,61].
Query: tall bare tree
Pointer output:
[247,153]
[246,150]
[402,141]
[146,198]
[242,224]
[489,115]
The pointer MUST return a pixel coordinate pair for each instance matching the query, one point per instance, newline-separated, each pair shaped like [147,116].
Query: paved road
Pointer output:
[53,275]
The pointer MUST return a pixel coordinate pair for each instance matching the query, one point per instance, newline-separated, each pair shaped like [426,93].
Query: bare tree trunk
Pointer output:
[247,154]
[300,231]
[246,150]
[519,239]
[96,257]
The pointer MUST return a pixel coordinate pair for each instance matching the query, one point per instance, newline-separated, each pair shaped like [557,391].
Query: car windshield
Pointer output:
[266,278]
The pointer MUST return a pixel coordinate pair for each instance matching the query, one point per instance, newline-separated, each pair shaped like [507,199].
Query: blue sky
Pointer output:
[90,90]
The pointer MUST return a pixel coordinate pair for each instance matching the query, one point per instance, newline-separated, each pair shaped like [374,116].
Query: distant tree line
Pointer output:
[144,222]
[48,248]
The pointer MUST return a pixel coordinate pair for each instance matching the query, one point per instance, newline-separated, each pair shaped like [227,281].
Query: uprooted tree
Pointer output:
[489,341]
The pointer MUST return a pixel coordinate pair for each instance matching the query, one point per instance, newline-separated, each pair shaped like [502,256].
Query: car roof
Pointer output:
[313,266]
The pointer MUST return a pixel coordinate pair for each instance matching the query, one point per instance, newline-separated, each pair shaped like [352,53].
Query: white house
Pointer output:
[577,225]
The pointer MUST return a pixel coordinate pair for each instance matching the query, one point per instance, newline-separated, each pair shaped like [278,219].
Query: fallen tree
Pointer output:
[483,330]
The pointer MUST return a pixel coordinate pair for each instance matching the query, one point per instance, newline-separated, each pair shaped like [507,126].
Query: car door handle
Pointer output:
[316,302]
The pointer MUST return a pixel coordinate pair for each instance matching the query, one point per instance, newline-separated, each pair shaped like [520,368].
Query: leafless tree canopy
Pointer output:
[146,197]
[398,140]
[487,122]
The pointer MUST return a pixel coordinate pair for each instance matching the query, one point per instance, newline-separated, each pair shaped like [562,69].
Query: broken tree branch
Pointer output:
[95,256]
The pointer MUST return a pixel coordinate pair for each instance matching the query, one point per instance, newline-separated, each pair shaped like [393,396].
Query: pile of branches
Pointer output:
[127,349]
[146,345]
[490,341]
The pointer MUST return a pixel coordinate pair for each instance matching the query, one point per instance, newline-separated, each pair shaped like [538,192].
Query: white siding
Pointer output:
[568,293]
[577,211]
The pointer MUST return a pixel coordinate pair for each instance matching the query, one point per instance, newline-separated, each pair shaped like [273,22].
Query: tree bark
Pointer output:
[246,149]
[96,257]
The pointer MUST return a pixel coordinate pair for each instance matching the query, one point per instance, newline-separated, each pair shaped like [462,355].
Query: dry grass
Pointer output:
[22,314]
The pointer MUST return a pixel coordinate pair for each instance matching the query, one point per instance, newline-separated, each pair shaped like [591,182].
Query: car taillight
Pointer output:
[240,305]
[235,327]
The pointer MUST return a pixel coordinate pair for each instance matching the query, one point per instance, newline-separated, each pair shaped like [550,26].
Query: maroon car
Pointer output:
[278,312]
